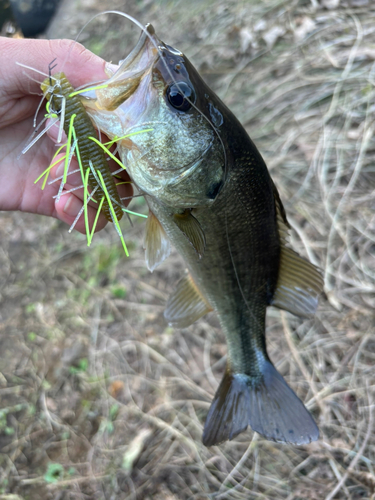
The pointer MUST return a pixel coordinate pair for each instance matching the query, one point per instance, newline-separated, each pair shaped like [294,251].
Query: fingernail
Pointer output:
[60,169]
[111,69]
[72,206]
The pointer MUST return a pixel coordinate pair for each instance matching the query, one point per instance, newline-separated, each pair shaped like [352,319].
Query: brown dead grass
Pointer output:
[93,380]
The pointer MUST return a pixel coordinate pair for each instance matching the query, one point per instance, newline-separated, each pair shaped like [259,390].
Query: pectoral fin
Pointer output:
[156,243]
[186,304]
[193,231]
[299,282]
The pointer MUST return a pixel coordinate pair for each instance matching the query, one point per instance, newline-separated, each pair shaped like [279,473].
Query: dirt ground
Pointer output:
[100,399]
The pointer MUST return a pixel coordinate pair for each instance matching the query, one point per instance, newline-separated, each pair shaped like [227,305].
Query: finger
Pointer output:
[68,207]
[74,176]
[74,179]
[70,201]
[79,64]
[53,133]
[123,183]
[125,191]
[122,180]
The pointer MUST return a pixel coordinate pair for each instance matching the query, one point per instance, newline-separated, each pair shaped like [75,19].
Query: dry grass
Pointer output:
[99,399]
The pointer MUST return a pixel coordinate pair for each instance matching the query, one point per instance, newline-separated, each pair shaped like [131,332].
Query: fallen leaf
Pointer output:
[306,26]
[115,388]
[246,39]
[272,35]
[330,4]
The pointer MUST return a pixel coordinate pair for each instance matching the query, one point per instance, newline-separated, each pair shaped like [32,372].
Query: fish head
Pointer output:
[174,152]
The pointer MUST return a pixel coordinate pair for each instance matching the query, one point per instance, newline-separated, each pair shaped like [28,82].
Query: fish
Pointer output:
[210,194]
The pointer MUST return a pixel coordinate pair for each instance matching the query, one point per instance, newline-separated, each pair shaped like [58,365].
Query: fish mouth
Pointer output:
[126,79]
[149,53]
[140,59]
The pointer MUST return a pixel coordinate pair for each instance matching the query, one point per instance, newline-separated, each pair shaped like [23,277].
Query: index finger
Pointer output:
[79,64]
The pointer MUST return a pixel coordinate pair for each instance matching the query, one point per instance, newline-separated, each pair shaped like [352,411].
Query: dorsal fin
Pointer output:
[186,304]
[156,243]
[191,228]
[299,282]
[282,222]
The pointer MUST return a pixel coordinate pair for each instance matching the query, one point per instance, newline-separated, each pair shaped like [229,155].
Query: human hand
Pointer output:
[19,99]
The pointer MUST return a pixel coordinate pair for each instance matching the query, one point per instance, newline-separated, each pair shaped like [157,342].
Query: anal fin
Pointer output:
[156,243]
[299,284]
[186,304]
[266,403]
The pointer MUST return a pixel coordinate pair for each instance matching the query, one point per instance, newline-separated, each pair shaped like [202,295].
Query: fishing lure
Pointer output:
[65,102]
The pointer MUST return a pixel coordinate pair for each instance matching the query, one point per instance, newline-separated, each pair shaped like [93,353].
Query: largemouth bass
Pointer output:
[211,195]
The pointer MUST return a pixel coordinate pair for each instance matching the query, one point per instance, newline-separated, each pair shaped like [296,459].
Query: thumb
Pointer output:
[79,64]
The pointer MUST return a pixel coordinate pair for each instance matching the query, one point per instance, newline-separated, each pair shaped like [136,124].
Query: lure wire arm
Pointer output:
[50,68]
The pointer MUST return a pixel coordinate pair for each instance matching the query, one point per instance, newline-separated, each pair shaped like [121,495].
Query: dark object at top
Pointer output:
[33,16]
[6,18]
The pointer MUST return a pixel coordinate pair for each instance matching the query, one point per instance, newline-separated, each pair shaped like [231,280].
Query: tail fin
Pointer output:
[266,403]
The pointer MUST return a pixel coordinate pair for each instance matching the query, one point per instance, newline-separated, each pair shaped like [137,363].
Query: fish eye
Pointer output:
[180,96]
